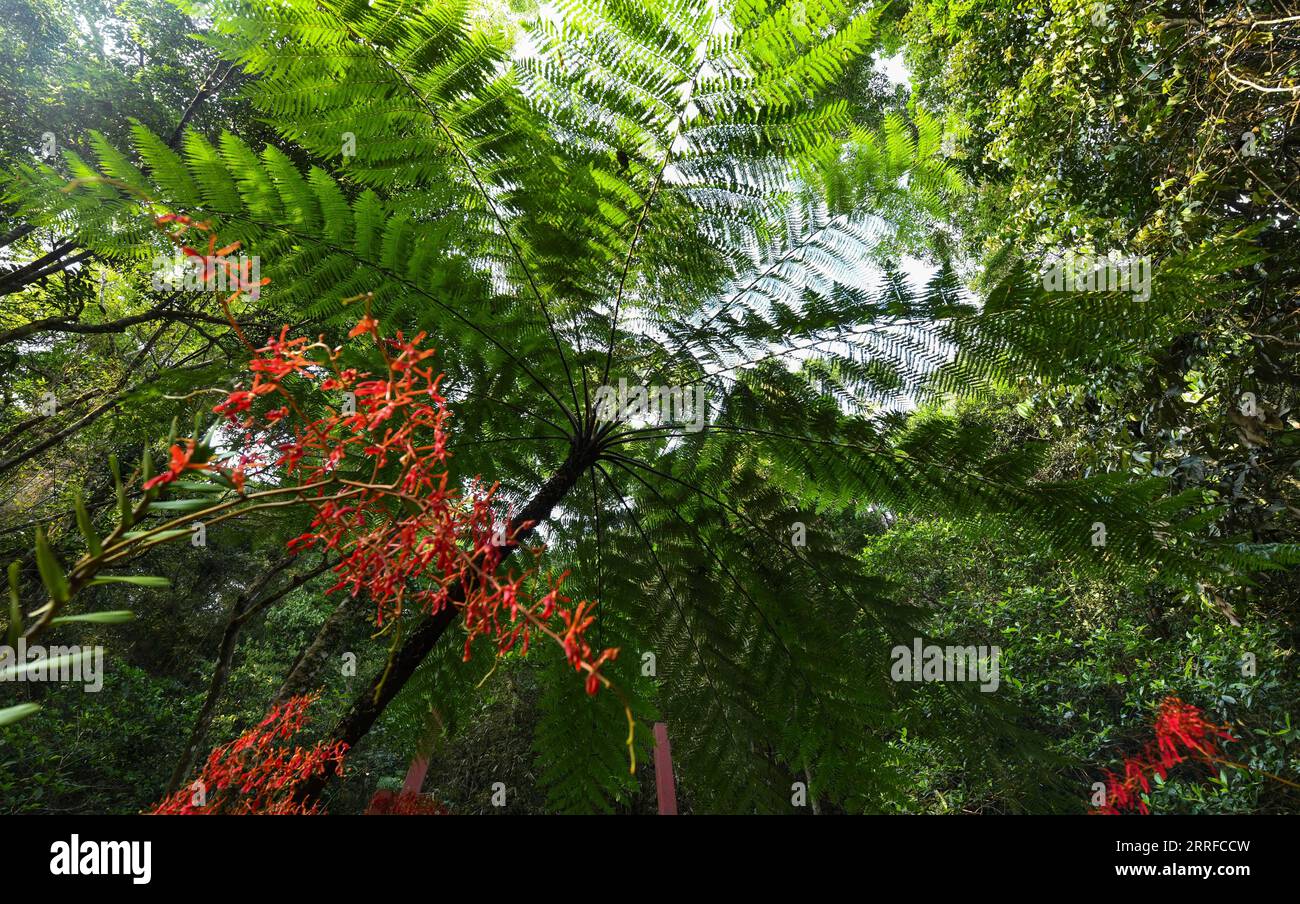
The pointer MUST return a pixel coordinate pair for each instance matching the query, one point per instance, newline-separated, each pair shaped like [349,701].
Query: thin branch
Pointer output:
[627,263]
[1295,89]
[203,94]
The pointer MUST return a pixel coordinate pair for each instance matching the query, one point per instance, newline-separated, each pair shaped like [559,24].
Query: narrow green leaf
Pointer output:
[87,529]
[181,505]
[224,481]
[194,486]
[140,580]
[210,438]
[113,617]
[11,714]
[52,574]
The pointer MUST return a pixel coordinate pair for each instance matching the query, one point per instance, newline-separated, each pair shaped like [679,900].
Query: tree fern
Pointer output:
[669,193]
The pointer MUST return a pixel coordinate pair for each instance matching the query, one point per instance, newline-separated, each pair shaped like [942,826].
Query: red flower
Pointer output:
[403,538]
[237,401]
[255,775]
[180,463]
[1182,734]
[366,324]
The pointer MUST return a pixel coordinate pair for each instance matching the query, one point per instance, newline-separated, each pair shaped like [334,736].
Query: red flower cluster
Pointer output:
[238,276]
[256,774]
[405,803]
[397,521]
[372,464]
[1182,734]
[495,597]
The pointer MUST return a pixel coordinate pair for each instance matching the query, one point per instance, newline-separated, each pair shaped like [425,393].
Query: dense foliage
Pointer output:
[887,427]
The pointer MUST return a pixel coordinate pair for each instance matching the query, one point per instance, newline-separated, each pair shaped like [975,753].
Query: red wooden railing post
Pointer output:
[415,775]
[664,785]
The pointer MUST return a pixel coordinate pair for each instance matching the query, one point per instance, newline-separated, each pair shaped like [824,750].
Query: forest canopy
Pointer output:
[456,406]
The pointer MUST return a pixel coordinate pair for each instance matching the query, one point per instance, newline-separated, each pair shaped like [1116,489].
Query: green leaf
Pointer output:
[139,580]
[210,438]
[224,481]
[181,505]
[52,574]
[114,617]
[194,486]
[11,714]
[87,529]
